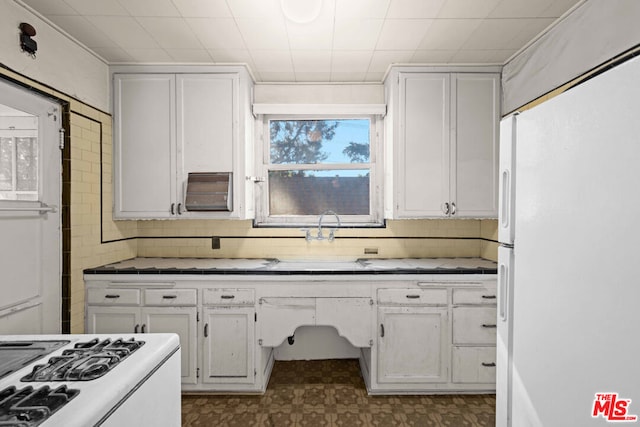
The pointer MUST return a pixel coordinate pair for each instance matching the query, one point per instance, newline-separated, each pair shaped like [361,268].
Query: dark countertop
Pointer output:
[244,266]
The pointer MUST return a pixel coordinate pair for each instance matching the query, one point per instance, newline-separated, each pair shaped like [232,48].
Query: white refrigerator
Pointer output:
[568,348]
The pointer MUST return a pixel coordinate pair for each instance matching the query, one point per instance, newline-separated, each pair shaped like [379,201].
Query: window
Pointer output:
[18,155]
[313,165]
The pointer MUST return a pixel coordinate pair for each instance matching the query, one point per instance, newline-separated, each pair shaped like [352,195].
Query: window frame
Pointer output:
[375,166]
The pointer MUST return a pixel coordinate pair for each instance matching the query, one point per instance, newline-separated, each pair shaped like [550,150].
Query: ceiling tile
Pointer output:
[351,61]
[505,33]
[559,7]
[380,60]
[402,34]
[307,61]
[347,77]
[272,60]
[423,56]
[263,33]
[51,7]
[482,56]
[124,30]
[148,55]
[520,9]
[113,54]
[203,9]
[312,77]
[357,34]
[170,32]
[231,55]
[362,9]
[257,9]
[150,7]
[456,9]
[217,33]
[375,76]
[98,7]
[83,30]
[315,35]
[268,76]
[190,55]
[449,34]
[411,9]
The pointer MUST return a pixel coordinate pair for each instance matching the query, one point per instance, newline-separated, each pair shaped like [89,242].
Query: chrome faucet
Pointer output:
[332,231]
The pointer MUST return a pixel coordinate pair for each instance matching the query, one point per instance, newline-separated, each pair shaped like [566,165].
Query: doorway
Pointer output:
[30,212]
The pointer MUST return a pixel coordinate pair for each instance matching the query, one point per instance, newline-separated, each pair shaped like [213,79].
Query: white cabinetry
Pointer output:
[122,310]
[443,130]
[170,124]
[413,337]
[228,337]
[473,356]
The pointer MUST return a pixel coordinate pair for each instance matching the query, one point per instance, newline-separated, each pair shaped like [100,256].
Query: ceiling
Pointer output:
[304,40]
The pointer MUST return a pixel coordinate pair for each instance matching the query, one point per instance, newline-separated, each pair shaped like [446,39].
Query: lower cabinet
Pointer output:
[228,331]
[412,345]
[113,310]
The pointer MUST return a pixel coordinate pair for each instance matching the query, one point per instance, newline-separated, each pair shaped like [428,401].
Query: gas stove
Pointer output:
[89,380]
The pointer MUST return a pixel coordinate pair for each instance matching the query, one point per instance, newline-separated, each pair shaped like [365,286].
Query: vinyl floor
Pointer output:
[332,393]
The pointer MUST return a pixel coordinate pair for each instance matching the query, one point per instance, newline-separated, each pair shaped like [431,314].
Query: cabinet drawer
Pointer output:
[474,296]
[474,365]
[474,325]
[412,296]
[228,297]
[113,296]
[172,297]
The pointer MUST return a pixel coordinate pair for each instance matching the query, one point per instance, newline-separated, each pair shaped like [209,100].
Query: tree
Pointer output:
[300,141]
[357,152]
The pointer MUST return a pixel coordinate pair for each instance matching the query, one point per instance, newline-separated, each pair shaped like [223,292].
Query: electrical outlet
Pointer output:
[215,242]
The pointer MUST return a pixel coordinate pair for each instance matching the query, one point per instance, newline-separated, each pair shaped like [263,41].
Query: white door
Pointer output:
[30,194]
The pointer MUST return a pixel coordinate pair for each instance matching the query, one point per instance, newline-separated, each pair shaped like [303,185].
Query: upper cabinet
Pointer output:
[168,125]
[442,144]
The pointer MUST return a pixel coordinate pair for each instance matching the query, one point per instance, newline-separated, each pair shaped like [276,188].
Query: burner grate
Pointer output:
[85,361]
[28,407]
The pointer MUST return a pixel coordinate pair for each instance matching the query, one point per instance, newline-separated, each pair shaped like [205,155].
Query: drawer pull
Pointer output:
[112,296]
[413,296]
[485,325]
[488,297]
[169,297]
[488,365]
[143,328]
[227,296]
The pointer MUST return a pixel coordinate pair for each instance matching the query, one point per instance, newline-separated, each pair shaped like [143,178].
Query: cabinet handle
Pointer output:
[112,296]
[453,208]
[143,328]
[169,297]
[135,329]
[445,208]
[488,365]
[173,208]
[381,330]
[413,296]
[488,297]
[179,208]
[206,330]
[227,296]
[485,325]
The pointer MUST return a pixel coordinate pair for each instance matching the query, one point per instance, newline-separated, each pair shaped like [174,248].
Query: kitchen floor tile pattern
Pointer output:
[332,393]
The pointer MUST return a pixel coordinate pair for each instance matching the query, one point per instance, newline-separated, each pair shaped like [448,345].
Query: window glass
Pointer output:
[315,165]
[18,155]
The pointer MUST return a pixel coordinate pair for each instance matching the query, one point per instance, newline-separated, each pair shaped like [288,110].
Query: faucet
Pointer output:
[332,231]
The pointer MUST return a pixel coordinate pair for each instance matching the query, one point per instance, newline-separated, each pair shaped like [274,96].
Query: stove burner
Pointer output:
[29,407]
[85,361]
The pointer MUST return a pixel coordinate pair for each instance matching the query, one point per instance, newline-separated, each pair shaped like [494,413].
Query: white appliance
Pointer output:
[90,380]
[568,284]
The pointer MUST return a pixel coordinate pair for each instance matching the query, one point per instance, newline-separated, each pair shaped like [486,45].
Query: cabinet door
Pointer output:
[423,151]
[113,320]
[181,321]
[474,145]
[144,109]
[412,345]
[228,346]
